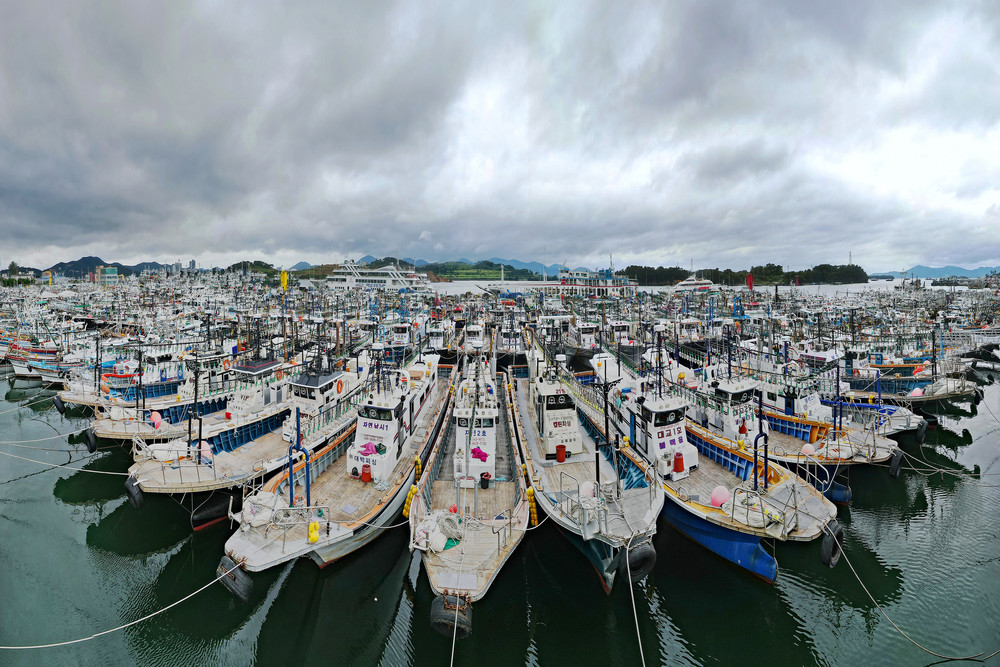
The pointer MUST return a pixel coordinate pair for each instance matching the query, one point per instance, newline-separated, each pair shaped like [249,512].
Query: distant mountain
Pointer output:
[415,262]
[921,271]
[550,271]
[81,267]
[367,259]
[465,261]
[301,266]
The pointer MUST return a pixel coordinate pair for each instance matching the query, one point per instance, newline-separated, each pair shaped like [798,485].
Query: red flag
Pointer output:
[750,280]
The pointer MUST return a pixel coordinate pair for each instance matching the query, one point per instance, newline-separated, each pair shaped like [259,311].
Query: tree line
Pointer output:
[767,274]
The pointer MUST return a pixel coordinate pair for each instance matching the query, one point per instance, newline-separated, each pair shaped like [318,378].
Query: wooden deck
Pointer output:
[227,469]
[629,512]
[354,512]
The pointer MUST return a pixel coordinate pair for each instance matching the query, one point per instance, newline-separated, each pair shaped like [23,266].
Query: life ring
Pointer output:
[299,501]
[340,387]
[226,364]
[857,373]
[279,374]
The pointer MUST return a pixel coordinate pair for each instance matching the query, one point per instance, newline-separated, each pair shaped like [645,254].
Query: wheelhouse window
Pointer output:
[666,418]
[371,412]
[558,402]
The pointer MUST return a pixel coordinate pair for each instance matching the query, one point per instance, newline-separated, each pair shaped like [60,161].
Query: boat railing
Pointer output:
[812,476]
[504,530]
[200,470]
[565,495]
[749,493]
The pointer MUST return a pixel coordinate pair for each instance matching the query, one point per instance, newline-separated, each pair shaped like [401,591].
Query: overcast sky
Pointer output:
[720,133]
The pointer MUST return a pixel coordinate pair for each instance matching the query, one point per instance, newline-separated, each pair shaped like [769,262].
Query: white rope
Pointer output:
[631,590]
[58,465]
[454,629]
[120,627]
[20,443]
[26,404]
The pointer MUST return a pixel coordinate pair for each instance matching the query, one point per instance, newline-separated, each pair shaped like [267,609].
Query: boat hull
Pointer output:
[736,547]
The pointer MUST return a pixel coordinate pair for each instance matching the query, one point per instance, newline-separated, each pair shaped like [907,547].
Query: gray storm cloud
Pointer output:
[724,134]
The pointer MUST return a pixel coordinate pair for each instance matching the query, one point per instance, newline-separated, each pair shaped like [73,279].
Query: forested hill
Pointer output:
[768,274]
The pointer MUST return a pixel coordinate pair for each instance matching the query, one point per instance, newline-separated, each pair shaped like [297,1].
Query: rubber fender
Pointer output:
[60,406]
[921,432]
[448,620]
[896,463]
[641,559]
[134,493]
[236,581]
[832,545]
[91,441]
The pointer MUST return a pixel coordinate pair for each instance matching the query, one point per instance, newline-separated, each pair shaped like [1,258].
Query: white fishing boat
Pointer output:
[469,510]
[347,492]
[602,496]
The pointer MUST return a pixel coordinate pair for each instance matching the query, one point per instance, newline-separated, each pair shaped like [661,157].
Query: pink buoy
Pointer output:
[917,392]
[808,449]
[206,450]
[720,495]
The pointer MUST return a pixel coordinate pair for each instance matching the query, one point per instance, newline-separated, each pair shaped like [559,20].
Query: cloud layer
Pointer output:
[723,134]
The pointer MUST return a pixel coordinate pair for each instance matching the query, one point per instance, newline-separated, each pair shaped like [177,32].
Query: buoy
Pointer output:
[313,532]
[134,493]
[896,463]
[720,496]
[808,449]
[409,500]
[451,615]
[641,559]
[832,545]
[234,578]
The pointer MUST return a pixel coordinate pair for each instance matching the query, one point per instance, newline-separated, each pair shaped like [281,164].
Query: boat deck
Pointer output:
[629,511]
[855,446]
[353,511]
[486,543]
[227,469]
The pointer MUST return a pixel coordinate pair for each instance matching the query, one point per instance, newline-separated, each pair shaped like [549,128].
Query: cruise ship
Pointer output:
[585,283]
[386,278]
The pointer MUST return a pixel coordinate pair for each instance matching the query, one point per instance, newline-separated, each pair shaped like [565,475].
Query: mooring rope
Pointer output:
[631,590]
[67,467]
[120,627]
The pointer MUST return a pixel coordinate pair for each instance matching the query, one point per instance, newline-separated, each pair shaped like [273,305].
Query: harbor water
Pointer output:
[76,559]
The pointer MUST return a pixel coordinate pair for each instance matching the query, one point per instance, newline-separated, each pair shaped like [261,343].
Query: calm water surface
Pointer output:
[77,559]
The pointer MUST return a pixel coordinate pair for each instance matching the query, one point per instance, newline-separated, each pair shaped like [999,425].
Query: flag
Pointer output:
[750,280]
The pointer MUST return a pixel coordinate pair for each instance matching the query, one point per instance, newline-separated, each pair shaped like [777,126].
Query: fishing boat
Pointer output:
[723,492]
[469,510]
[223,450]
[349,491]
[602,496]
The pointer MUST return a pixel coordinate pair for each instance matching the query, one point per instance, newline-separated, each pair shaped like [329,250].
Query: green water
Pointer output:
[77,559]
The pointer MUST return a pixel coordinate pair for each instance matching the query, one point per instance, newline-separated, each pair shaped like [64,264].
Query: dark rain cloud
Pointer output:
[723,134]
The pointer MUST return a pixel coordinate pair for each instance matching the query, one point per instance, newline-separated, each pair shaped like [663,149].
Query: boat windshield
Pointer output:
[381,414]
[667,417]
[558,402]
